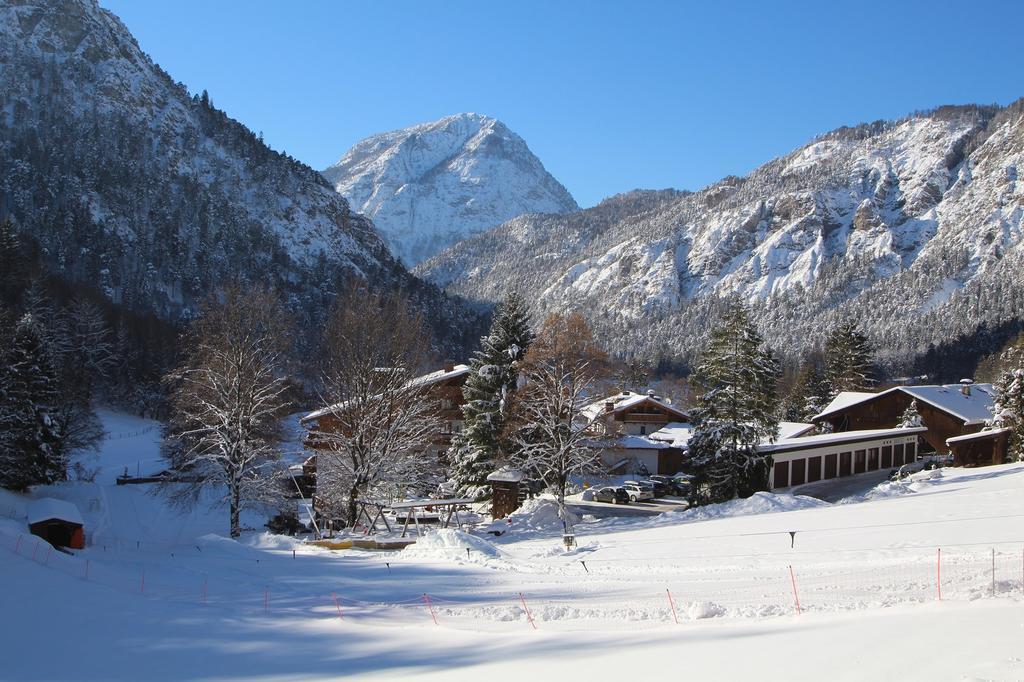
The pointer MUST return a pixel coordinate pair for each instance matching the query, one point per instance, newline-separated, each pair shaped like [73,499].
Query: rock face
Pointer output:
[912,227]
[129,183]
[430,185]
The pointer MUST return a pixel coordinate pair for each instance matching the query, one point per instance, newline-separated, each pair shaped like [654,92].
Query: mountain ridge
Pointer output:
[914,216]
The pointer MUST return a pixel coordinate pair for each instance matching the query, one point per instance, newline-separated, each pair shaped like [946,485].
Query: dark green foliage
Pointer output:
[736,412]
[31,449]
[809,395]
[479,448]
[849,364]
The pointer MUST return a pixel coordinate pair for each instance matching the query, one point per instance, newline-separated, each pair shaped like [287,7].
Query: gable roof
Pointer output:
[970,409]
[420,381]
[49,508]
[822,439]
[628,400]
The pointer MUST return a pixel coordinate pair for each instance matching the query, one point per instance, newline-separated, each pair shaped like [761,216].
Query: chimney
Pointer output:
[609,406]
[650,393]
[449,366]
[965,386]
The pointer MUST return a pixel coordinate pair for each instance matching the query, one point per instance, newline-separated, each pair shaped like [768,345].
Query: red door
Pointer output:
[781,475]
[830,466]
[814,469]
[799,471]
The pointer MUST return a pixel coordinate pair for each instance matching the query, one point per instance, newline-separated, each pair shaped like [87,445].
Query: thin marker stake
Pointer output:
[584,565]
[142,585]
[430,606]
[334,595]
[672,604]
[529,616]
[86,569]
[796,597]
[266,600]
[35,549]
[938,573]
[993,571]
[17,545]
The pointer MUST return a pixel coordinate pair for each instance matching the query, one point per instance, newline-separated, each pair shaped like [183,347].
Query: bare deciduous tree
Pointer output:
[550,433]
[375,430]
[228,397]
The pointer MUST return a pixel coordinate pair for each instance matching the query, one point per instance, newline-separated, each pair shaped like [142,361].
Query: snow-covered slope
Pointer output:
[165,592]
[903,225]
[430,185]
[130,184]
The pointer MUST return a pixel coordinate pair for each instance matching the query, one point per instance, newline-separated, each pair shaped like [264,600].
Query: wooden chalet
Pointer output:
[624,425]
[947,412]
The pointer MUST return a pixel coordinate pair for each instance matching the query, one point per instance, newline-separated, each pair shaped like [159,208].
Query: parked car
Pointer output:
[638,492]
[613,494]
[674,486]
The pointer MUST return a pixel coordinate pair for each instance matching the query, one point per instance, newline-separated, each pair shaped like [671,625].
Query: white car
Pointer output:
[638,492]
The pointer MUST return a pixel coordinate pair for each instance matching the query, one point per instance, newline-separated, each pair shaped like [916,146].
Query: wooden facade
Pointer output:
[885,410]
[980,449]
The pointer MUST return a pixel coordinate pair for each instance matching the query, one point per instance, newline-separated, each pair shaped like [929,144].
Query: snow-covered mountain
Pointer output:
[912,227]
[428,186]
[126,181]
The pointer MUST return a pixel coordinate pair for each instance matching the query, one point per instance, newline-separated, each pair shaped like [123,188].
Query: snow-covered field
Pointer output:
[161,595]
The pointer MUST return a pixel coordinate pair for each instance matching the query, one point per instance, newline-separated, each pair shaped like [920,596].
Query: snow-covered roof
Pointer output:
[676,433]
[626,400]
[974,408]
[506,475]
[846,399]
[822,439]
[793,429]
[980,435]
[49,508]
[420,381]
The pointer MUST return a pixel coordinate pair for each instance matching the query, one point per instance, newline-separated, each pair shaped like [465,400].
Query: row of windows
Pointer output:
[836,465]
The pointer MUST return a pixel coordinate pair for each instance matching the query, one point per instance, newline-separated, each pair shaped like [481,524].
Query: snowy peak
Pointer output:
[430,185]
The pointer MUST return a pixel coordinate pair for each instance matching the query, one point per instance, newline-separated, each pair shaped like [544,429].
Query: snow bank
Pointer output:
[758,503]
[539,515]
[449,543]
[911,484]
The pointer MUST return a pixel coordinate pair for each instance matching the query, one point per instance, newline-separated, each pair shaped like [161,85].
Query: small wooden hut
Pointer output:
[56,521]
[505,485]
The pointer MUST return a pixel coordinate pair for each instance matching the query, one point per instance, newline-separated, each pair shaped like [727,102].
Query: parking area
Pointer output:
[647,508]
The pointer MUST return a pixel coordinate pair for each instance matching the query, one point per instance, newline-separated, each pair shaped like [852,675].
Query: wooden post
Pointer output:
[796,597]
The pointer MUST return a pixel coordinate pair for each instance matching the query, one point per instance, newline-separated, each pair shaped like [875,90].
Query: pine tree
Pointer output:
[1008,410]
[809,395]
[849,364]
[911,418]
[33,452]
[479,448]
[736,412]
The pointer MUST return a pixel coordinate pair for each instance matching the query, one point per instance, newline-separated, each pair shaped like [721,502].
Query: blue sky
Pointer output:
[610,96]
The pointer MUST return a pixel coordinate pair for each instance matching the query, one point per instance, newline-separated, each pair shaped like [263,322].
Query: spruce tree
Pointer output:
[1008,410]
[32,452]
[494,370]
[736,412]
[849,363]
[911,417]
[809,395]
